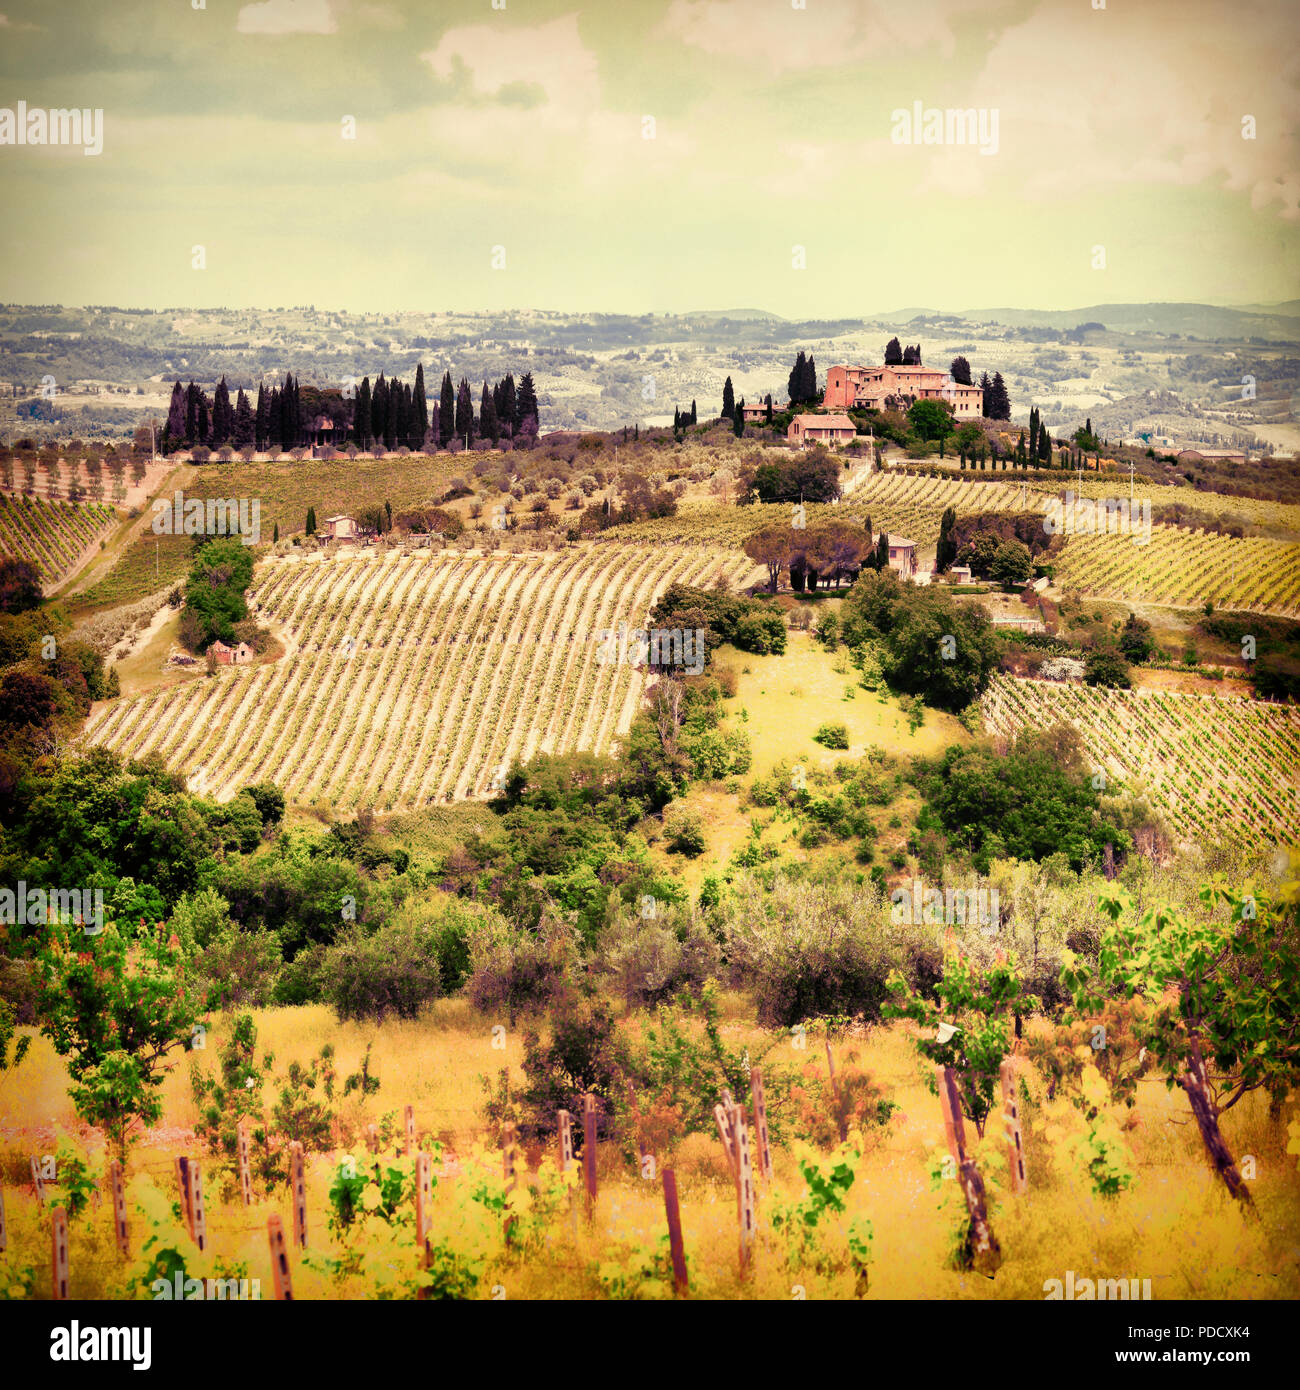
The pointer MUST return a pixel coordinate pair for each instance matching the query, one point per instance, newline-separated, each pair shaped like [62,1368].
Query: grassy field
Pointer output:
[1174,1226]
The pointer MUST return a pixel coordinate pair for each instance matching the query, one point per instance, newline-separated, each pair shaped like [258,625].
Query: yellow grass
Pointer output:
[1176,1227]
[787,698]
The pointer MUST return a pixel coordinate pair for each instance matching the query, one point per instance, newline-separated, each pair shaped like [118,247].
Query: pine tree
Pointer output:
[893,353]
[487,417]
[446,412]
[959,370]
[729,399]
[419,410]
[1001,409]
[526,406]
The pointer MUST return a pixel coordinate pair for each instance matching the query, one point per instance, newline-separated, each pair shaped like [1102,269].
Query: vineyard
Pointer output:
[903,506]
[53,535]
[414,679]
[1217,769]
[1185,569]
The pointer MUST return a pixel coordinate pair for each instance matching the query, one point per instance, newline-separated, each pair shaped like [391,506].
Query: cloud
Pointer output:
[287,17]
[828,33]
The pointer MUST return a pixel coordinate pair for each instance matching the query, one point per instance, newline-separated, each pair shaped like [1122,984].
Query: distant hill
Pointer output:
[1276,323]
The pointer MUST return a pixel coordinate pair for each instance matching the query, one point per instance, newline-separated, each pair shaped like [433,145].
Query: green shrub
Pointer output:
[393,971]
[832,736]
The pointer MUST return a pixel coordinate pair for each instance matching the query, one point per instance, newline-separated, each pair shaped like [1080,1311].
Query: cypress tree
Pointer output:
[311,521]
[272,441]
[464,414]
[192,413]
[487,416]
[361,414]
[728,400]
[810,379]
[693,416]
[261,417]
[379,409]
[419,410]
[446,412]
[205,427]
[768,403]
[176,413]
[946,552]
[893,353]
[243,428]
[275,532]
[677,420]
[738,419]
[959,370]
[222,418]
[798,376]
[508,414]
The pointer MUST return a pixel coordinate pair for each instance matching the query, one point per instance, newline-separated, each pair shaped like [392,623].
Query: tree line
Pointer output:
[391,412]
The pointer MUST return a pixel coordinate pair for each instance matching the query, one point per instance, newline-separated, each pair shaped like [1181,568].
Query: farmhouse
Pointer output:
[242,655]
[340,528]
[902,556]
[821,429]
[1211,456]
[758,413]
[959,574]
[849,388]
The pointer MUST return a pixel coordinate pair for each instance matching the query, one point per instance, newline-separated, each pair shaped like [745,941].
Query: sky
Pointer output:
[651,156]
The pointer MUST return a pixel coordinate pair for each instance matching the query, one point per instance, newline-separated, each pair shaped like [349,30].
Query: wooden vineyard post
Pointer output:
[589,1148]
[675,1246]
[299,1186]
[245,1169]
[372,1139]
[955,1146]
[187,1201]
[423,1208]
[841,1119]
[197,1215]
[985,1252]
[508,1173]
[279,1260]
[59,1253]
[1015,1139]
[410,1129]
[423,1195]
[566,1140]
[760,1124]
[38,1183]
[4,1230]
[120,1229]
[723,1118]
[744,1187]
